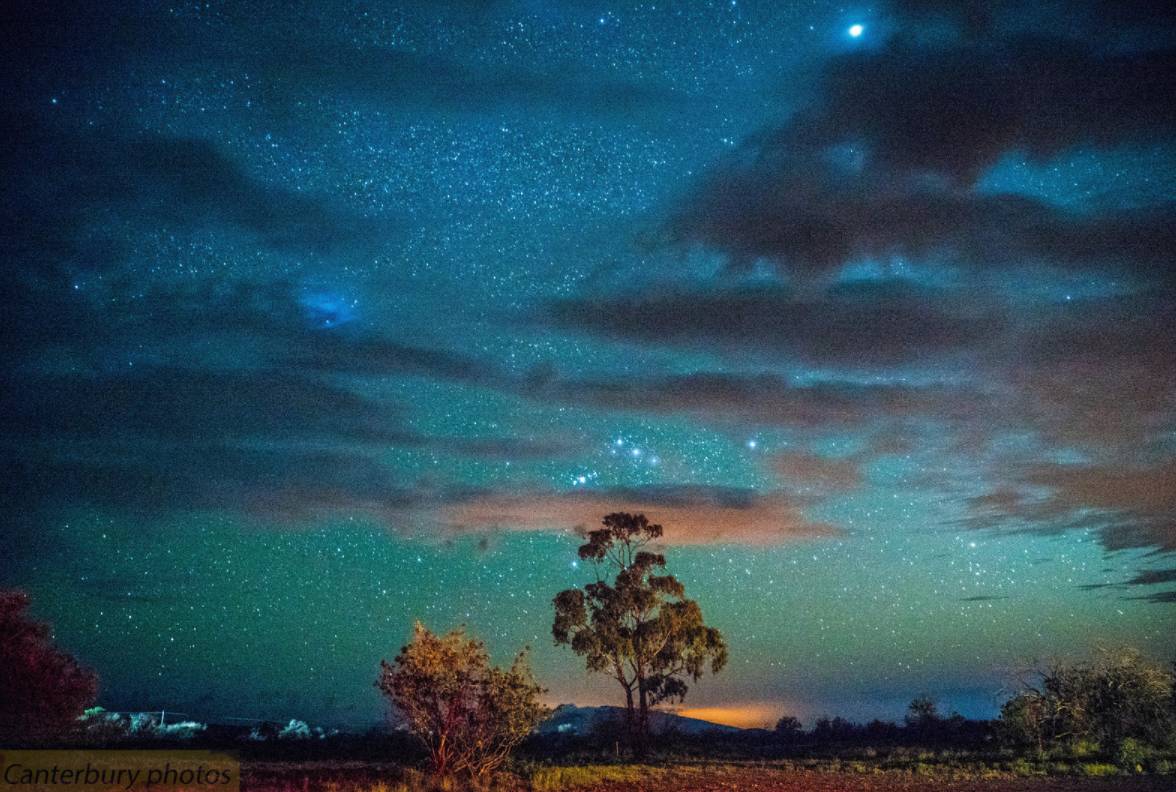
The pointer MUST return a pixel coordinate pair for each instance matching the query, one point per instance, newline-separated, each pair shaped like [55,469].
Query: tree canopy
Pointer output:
[640,629]
[42,689]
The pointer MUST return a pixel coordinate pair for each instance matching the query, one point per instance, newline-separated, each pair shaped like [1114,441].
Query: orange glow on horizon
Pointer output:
[745,716]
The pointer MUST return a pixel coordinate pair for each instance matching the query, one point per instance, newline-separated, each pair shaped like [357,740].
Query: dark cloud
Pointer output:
[883,161]
[1158,597]
[975,19]
[69,190]
[1096,374]
[866,324]
[173,404]
[760,398]
[126,409]
[1150,577]
[61,46]
[1147,577]
[812,216]
[955,110]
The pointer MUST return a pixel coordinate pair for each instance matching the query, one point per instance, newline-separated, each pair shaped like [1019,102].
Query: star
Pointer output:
[855,31]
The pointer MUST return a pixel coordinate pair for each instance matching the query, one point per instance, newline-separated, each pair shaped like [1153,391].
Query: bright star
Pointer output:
[856,30]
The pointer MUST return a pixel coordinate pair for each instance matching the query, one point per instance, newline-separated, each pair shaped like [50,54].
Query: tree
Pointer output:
[922,713]
[43,690]
[468,714]
[789,727]
[640,629]
[835,729]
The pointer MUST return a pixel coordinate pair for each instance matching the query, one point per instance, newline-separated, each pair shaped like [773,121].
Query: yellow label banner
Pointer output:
[106,771]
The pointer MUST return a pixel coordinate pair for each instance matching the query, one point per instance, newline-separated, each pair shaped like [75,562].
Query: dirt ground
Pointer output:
[366,776]
[769,780]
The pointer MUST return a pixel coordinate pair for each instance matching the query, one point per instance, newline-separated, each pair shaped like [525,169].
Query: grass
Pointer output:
[552,779]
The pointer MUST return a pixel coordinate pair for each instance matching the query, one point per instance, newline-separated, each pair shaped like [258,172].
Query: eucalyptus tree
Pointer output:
[640,628]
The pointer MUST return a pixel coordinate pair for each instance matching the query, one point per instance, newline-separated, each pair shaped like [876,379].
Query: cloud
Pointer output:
[976,19]
[811,217]
[135,411]
[1128,505]
[1158,597]
[68,187]
[1138,503]
[691,514]
[763,398]
[1151,577]
[865,324]
[300,59]
[956,109]
[885,159]
[1147,577]
[808,471]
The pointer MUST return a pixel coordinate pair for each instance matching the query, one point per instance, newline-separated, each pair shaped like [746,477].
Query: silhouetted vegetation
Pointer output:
[468,714]
[640,630]
[1118,703]
[43,690]
[789,728]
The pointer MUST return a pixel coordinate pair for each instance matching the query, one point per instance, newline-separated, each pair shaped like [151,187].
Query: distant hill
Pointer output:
[570,719]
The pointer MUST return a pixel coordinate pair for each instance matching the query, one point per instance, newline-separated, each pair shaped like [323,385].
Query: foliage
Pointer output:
[922,712]
[467,713]
[838,728]
[789,727]
[1131,755]
[43,690]
[1115,697]
[640,630]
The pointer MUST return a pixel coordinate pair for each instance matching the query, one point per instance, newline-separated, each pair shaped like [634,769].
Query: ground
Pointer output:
[374,777]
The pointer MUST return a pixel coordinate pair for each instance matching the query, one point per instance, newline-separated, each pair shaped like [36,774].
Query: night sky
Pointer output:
[321,318]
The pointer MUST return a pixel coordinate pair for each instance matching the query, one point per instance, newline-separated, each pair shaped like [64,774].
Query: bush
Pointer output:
[468,714]
[1116,697]
[1132,755]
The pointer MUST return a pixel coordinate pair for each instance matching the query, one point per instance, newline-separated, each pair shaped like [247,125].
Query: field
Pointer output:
[702,777]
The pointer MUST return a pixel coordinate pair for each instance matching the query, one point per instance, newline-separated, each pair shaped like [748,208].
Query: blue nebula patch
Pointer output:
[327,310]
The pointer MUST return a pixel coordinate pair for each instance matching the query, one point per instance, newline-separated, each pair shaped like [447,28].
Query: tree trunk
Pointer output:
[441,757]
[630,720]
[641,745]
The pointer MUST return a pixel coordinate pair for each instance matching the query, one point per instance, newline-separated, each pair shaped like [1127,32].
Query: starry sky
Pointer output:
[319,318]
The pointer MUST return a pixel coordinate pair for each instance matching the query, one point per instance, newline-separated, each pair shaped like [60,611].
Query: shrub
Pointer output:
[467,713]
[1113,698]
[1131,755]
